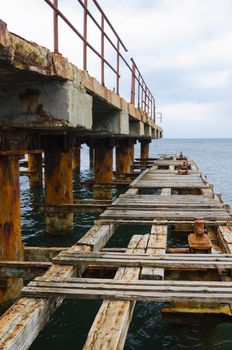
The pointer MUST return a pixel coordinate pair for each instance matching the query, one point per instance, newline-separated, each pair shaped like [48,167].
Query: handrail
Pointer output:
[141,96]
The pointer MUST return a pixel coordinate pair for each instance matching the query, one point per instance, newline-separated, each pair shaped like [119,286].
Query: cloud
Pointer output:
[183,48]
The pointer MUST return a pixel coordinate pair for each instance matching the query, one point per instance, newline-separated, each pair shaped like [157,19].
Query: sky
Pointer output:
[182,47]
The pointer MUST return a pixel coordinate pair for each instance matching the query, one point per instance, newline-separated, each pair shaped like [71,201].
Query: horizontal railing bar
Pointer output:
[110,25]
[98,25]
[79,35]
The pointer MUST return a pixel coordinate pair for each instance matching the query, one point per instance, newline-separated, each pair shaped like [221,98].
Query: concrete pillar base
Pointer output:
[102,193]
[61,224]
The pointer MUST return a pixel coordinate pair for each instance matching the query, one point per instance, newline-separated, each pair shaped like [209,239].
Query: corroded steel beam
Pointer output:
[124,157]
[77,159]
[103,167]
[144,150]
[35,166]
[58,186]
[91,157]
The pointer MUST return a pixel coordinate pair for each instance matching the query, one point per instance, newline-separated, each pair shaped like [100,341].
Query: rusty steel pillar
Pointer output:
[58,185]
[35,166]
[123,157]
[103,168]
[91,157]
[11,247]
[77,159]
[144,150]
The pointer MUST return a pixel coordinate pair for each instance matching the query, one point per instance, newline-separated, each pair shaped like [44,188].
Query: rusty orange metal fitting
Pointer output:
[199,227]
[199,241]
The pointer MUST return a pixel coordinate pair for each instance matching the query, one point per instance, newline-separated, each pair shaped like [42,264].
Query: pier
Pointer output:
[195,279]
[49,109]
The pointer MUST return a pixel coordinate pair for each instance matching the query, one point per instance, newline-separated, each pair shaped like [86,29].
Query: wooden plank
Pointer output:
[207,192]
[130,191]
[121,283]
[112,321]
[22,269]
[224,236]
[129,260]
[166,192]
[81,206]
[125,221]
[138,178]
[133,292]
[97,237]
[42,253]
[157,243]
[171,214]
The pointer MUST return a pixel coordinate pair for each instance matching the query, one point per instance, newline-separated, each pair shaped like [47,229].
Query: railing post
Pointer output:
[145,98]
[149,103]
[133,83]
[55,28]
[154,116]
[118,66]
[102,50]
[142,97]
[85,36]
[152,108]
[139,90]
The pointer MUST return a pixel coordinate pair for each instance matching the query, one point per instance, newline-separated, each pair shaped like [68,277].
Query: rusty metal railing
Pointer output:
[141,96]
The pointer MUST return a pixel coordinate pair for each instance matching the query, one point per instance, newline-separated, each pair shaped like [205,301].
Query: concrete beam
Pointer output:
[136,128]
[116,122]
[47,104]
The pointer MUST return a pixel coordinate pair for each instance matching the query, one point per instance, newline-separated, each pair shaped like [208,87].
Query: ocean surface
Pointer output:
[69,326]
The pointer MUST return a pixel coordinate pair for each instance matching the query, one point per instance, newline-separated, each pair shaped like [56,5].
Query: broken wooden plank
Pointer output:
[111,324]
[97,237]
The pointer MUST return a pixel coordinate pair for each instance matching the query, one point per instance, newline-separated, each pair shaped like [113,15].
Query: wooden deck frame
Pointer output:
[22,322]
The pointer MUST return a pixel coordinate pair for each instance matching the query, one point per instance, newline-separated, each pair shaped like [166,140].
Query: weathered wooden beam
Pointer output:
[111,324]
[22,269]
[44,254]
[168,261]
[80,206]
[208,292]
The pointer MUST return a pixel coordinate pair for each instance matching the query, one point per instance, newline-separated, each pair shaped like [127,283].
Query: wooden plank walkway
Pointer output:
[167,291]
[169,261]
[141,270]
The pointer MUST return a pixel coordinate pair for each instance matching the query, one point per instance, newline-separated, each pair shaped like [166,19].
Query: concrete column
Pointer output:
[11,247]
[77,159]
[91,157]
[58,186]
[123,157]
[103,169]
[35,165]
